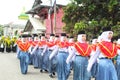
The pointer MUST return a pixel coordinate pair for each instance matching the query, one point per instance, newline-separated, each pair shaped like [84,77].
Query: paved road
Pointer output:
[10,70]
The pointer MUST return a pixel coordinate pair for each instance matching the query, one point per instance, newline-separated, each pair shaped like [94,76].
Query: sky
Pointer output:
[11,9]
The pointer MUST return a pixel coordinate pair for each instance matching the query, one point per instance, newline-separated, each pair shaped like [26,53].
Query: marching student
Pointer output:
[81,51]
[61,50]
[19,40]
[35,51]
[118,59]
[105,51]
[23,54]
[30,40]
[56,40]
[94,46]
[51,63]
[71,44]
[42,64]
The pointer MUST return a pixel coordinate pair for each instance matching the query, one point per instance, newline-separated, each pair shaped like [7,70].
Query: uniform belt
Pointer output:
[104,58]
[81,55]
[62,52]
[50,50]
[41,48]
[25,51]
[78,55]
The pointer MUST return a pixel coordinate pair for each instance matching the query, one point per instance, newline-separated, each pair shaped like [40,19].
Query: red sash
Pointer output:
[56,42]
[118,46]
[50,44]
[71,44]
[83,48]
[108,49]
[93,46]
[34,43]
[30,42]
[18,41]
[24,46]
[41,43]
[63,44]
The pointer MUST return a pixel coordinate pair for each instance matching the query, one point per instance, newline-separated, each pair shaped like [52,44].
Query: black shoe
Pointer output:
[41,70]
[35,67]
[53,73]
[51,76]
[46,70]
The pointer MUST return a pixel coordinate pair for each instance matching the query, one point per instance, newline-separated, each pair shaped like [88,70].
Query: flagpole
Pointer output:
[55,16]
[51,17]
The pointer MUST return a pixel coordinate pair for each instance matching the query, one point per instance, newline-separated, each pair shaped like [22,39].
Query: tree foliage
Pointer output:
[92,16]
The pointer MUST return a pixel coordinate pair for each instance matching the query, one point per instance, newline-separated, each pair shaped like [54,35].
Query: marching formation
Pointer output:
[59,55]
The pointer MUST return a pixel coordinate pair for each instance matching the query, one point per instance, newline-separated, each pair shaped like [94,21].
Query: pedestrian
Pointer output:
[118,59]
[35,51]
[71,44]
[61,50]
[19,40]
[94,46]
[105,51]
[23,54]
[30,40]
[81,51]
[42,54]
[51,63]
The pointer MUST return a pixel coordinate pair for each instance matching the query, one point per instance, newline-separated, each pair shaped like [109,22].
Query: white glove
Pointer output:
[88,69]
[67,61]
[42,54]
[50,57]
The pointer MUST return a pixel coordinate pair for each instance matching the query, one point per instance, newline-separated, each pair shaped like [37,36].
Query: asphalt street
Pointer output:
[10,70]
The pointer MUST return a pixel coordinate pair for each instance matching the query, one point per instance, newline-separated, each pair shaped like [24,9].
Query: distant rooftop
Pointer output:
[59,2]
[18,23]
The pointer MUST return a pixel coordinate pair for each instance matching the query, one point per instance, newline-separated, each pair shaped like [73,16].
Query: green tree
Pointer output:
[92,16]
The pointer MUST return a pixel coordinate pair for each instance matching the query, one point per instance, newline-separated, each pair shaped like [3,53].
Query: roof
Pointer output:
[46,4]
[36,9]
[34,25]
[37,24]
[58,2]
